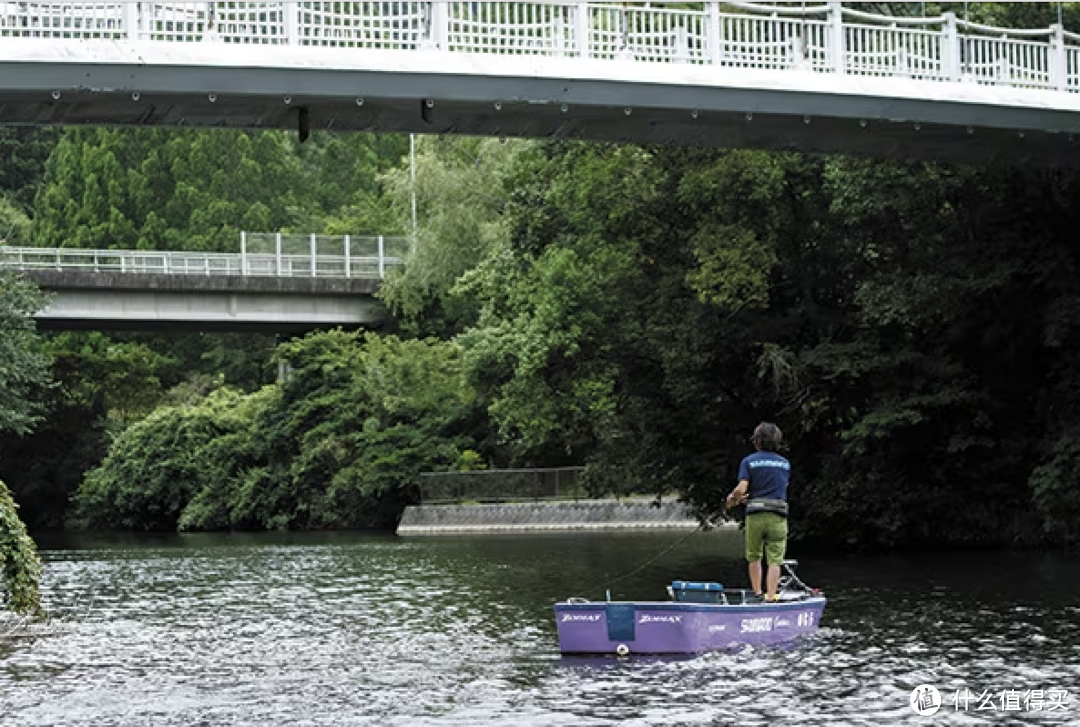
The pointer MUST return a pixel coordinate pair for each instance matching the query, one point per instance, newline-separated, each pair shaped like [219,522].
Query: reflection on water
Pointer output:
[374,630]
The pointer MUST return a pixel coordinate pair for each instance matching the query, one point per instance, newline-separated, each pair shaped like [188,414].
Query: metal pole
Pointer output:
[277,245]
[243,253]
[348,263]
[314,251]
[382,258]
[412,178]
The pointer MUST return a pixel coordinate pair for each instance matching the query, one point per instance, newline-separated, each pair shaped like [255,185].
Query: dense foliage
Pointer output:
[639,310]
[24,368]
[19,563]
[912,327]
[336,445]
[907,325]
[162,189]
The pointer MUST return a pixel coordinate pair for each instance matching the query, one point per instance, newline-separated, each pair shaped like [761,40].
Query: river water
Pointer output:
[348,629]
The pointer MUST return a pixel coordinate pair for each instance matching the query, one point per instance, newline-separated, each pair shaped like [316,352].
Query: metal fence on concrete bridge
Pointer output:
[261,254]
[508,485]
[823,37]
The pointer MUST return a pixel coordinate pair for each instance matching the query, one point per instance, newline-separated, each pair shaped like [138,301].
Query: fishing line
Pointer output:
[658,556]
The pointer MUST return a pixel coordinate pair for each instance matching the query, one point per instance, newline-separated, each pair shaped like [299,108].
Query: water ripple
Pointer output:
[352,630]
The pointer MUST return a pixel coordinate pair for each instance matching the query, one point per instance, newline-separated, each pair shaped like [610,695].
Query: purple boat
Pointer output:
[701,616]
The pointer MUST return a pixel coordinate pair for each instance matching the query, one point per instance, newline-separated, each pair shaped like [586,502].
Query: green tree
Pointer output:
[19,562]
[337,445]
[23,152]
[592,345]
[460,196]
[24,375]
[14,223]
[161,189]
[24,367]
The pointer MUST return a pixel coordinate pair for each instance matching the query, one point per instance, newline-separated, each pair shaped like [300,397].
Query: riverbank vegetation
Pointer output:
[912,327]
[20,566]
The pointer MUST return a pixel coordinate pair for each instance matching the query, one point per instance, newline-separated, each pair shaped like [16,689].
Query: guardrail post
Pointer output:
[1059,64]
[682,45]
[277,253]
[243,253]
[348,263]
[836,32]
[582,29]
[950,48]
[382,259]
[713,32]
[131,20]
[291,20]
[438,27]
[314,252]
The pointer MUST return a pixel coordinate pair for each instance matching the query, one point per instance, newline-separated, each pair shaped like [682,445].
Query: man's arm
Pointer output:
[739,495]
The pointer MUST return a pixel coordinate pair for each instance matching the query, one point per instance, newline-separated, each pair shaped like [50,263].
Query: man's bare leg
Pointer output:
[754,567]
[772,579]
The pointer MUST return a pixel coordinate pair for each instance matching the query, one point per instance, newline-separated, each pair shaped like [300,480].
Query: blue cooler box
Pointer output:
[697,592]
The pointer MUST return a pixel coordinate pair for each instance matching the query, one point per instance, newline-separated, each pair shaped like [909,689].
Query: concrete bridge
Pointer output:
[792,76]
[286,284]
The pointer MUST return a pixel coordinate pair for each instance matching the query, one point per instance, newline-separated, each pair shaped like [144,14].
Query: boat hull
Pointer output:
[663,627]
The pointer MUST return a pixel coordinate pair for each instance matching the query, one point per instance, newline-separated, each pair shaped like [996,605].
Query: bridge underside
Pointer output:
[619,101]
[89,301]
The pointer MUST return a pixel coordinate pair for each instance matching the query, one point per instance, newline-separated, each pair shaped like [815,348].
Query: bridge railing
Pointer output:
[262,254]
[820,38]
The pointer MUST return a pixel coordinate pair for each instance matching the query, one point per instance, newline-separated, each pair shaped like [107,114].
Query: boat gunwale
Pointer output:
[812,601]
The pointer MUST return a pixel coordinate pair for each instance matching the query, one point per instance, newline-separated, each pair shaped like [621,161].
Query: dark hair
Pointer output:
[767,436]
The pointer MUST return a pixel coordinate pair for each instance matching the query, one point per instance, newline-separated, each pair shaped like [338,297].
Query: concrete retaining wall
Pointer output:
[545,516]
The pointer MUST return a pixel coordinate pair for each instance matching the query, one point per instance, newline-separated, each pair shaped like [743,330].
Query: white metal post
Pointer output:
[243,253]
[382,258]
[146,20]
[682,45]
[314,252]
[131,20]
[1059,64]
[412,188]
[348,262]
[836,41]
[438,30]
[277,246]
[292,22]
[713,32]
[950,48]
[582,29]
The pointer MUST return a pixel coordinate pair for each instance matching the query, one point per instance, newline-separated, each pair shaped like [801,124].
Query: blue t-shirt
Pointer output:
[768,474]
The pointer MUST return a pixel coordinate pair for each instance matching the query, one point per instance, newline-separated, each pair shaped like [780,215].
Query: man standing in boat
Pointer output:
[763,483]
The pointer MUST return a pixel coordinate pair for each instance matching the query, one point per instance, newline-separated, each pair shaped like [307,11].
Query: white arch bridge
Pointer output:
[820,77]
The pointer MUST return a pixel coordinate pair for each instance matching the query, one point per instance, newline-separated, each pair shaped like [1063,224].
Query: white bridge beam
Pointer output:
[819,78]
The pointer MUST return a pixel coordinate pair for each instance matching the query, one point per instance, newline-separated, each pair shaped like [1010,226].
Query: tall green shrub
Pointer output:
[19,561]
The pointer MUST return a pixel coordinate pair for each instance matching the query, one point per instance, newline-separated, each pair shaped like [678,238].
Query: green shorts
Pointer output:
[766,531]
